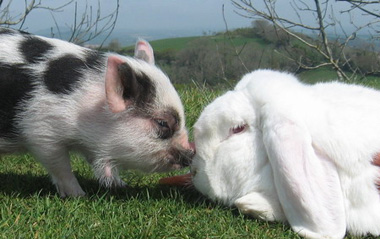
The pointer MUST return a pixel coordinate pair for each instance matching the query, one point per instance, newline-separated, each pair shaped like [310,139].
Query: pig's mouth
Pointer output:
[184,180]
[178,159]
[174,159]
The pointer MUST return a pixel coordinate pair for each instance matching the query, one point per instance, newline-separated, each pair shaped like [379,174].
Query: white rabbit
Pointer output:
[282,150]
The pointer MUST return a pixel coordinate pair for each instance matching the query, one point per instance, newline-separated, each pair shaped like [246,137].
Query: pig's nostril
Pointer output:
[186,162]
[182,156]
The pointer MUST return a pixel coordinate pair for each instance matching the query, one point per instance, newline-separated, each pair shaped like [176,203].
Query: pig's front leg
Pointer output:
[107,173]
[57,163]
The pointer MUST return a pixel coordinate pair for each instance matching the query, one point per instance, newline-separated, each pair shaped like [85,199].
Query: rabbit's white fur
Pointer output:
[299,153]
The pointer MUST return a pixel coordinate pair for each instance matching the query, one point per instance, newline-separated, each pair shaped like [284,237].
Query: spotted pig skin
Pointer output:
[119,112]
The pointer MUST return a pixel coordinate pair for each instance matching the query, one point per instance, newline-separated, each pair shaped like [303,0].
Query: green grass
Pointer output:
[325,75]
[319,75]
[31,208]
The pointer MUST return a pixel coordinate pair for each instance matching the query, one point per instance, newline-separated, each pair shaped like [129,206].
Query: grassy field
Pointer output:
[30,207]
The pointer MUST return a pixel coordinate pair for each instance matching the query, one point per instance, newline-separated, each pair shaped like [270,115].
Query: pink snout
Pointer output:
[187,154]
[183,150]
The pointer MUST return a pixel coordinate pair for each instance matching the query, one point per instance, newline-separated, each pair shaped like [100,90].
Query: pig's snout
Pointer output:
[188,156]
[182,157]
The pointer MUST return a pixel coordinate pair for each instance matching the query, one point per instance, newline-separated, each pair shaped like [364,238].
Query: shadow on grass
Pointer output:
[22,183]
[27,185]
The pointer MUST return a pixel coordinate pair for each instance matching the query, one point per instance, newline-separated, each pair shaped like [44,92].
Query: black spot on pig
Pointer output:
[34,49]
[6,31]
[15,87]
[137,87]
[63,74]
[95,60]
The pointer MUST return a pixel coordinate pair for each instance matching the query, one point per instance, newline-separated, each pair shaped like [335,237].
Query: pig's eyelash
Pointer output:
[162,123]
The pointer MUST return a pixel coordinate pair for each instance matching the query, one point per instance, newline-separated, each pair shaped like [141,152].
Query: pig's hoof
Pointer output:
[70,192]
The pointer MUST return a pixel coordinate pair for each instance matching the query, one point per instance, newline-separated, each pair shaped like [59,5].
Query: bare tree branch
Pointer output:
[230,39]
[87,25]
[91,25]
[7,19]
[325,19]
[361,5]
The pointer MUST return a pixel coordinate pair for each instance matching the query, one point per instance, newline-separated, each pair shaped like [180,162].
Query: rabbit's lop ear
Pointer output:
[306,180]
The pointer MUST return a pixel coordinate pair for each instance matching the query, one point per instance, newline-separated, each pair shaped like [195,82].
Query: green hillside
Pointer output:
[225,57]
[181,43]
[161,45]
[176,44]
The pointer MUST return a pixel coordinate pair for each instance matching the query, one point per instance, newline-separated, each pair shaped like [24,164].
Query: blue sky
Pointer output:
[194,16]
[201,15]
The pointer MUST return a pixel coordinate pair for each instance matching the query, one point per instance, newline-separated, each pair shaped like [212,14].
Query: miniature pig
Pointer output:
[281,150]
[119,112]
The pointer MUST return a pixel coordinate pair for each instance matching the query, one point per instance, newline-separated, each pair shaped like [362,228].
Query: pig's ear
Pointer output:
[114,86]
[125,87]
[144,51]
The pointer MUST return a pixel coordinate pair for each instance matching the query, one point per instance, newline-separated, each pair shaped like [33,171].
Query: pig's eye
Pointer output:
[164,131]
[162,123]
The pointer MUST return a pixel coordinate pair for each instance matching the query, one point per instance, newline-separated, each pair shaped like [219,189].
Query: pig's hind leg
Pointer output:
[57,163]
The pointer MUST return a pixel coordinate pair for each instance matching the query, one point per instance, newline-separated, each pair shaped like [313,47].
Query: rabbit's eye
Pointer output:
[238,129]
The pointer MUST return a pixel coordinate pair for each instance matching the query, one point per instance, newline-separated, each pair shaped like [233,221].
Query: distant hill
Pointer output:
[125,37]
[179,43]
[225,57]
